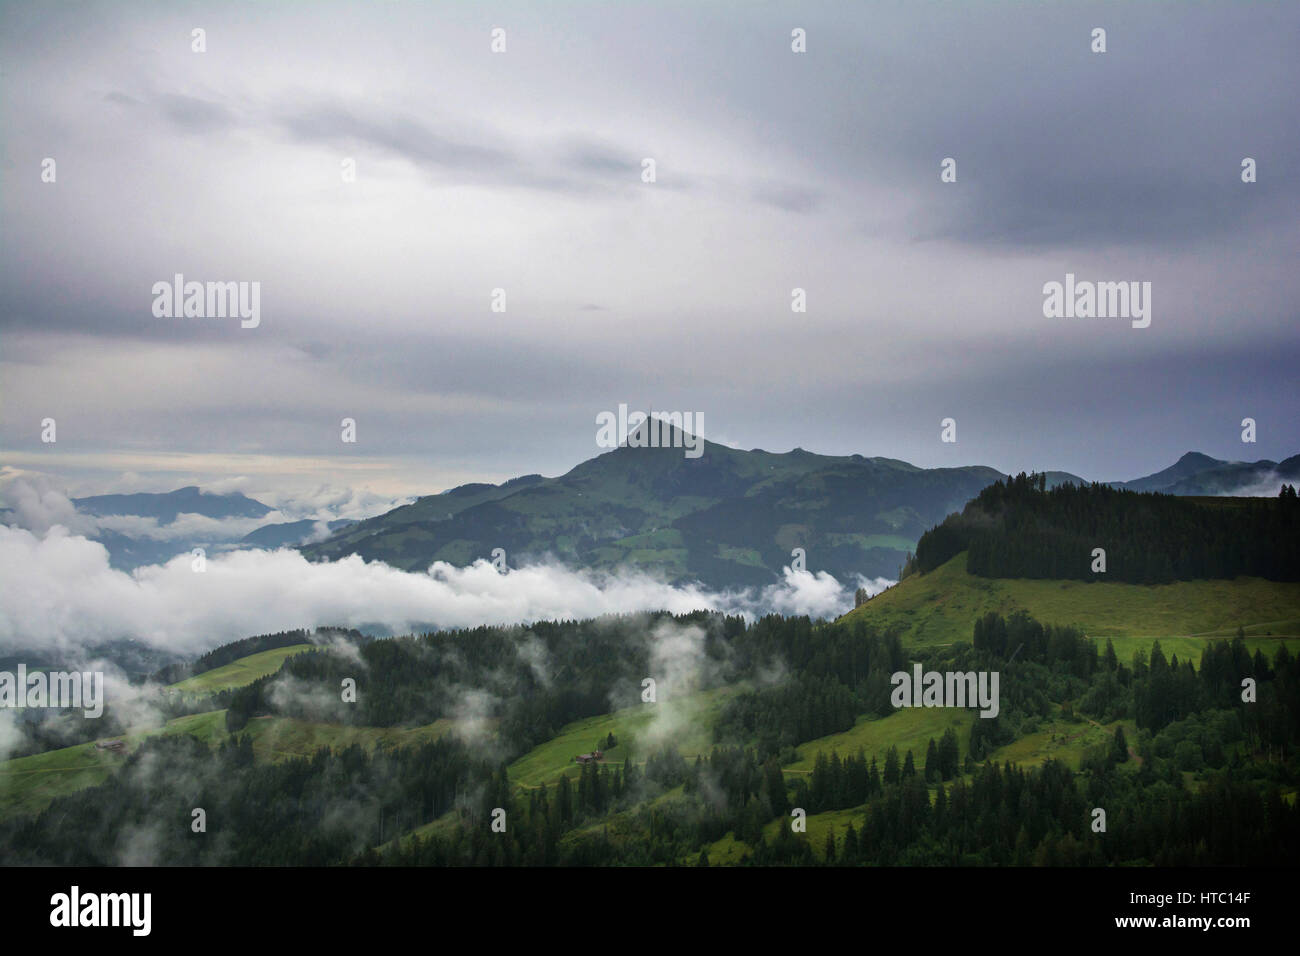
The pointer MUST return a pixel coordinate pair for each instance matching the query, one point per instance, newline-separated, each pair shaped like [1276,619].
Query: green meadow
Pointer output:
[686,722]
[818,824]
[907,729]
[28,784]
[940,608]
[241,672]
[1063,740]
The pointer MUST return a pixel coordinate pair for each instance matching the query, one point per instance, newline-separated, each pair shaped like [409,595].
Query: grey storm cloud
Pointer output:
[522,171]
[196,115]
[401,135]
[787,196]
[480,156]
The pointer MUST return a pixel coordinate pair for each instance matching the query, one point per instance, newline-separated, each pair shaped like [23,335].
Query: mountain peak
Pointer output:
[663,434]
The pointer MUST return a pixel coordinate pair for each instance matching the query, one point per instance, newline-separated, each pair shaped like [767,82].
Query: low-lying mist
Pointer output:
[59,595]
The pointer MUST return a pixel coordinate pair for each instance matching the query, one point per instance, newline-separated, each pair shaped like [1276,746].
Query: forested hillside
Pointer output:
[1019,528]
[1201,775]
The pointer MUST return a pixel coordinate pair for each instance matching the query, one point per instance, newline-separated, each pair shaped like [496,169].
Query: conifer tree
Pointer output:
[850,852]
[564,802]
[949,755]
[1119,748]
[891,766]
[774,784]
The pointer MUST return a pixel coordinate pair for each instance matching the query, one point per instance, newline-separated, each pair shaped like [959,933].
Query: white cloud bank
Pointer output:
[58,592]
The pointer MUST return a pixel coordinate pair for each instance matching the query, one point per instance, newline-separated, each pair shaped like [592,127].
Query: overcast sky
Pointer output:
[522,170]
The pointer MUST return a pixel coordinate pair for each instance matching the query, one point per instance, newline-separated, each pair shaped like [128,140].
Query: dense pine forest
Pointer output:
[1018,528]
[948,803]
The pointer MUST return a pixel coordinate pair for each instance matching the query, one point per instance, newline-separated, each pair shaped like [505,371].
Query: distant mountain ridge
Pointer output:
[729,518]
[129,550]
[1198,474]
[167,506]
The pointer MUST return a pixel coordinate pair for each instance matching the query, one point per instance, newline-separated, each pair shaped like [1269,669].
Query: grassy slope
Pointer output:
[687,723]
[909,729]
[282,738]
[691,729]
[940,608]
[240,672]
[1061,739]
[28,784]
